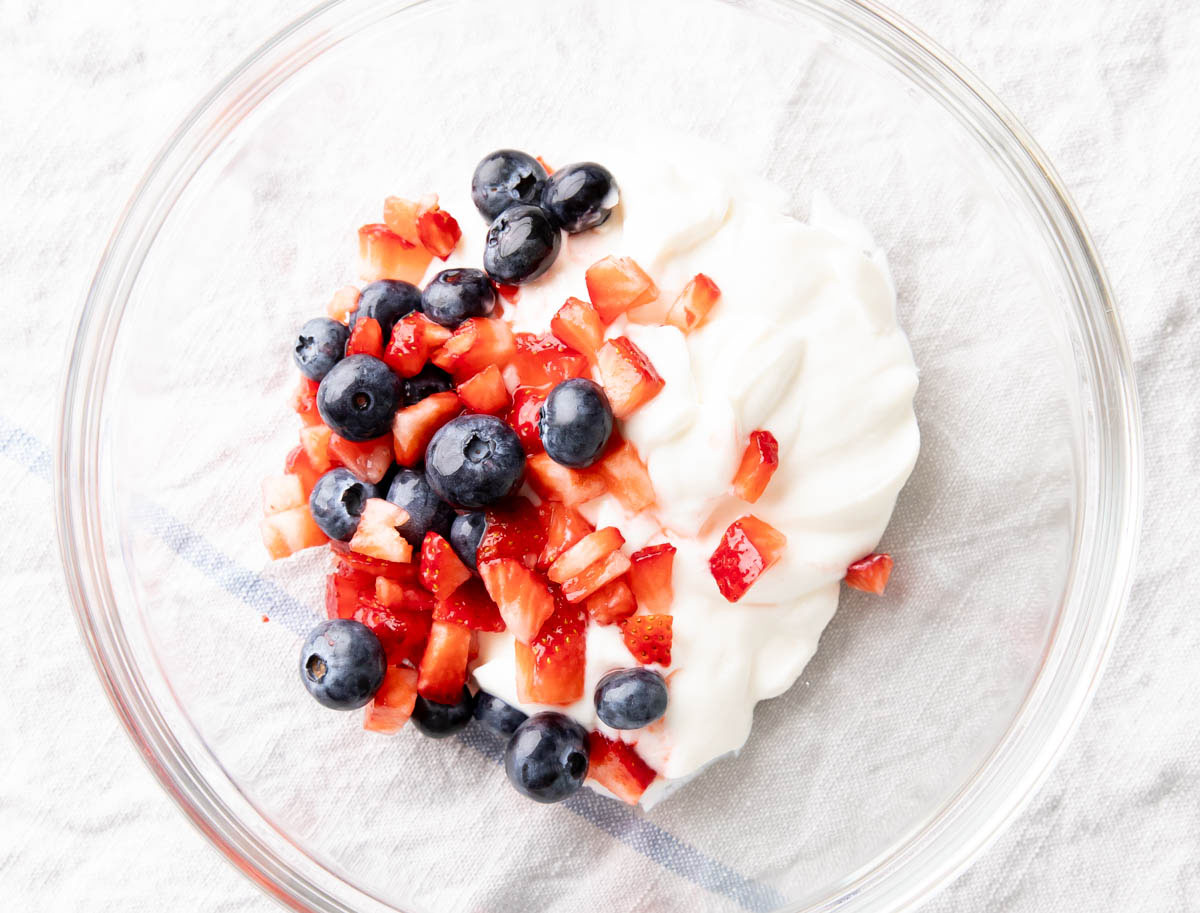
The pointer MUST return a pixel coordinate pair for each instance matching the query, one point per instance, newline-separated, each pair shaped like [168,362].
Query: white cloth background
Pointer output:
[87,94]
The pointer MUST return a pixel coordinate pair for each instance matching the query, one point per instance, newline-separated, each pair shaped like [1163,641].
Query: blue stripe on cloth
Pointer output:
[266,597]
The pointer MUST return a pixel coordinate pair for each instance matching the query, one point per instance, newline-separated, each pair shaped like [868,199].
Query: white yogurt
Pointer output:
[803,343]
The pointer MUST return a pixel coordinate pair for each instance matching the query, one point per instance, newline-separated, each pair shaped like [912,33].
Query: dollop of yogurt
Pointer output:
[804,343]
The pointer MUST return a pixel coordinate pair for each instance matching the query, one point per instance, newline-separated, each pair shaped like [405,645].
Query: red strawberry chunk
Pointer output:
[403,634]
[543,361]
[550,670]
[290,531]
[628,377]
[556,482]
[513,529]
[280,493]
[650,573]
[402,596]
[589,564]
[344,557]
[378,535]
[471,606]
[444,664]
[414,427]
[369,460]
[648,638]
[870,574]
[366,338]
[393,703]
[541,161]
[299,464]
[400,216]
[748,548]
[383,254]
[304,401]
[485,392]
[442,571]
[476,343]
[564,527]
[694,303]
[344,301]
[414,339]
[615,284]
[522,595]
[345,590]
[578,325]
[438,231]
[527,405]
[625,476]
[759,463]
[612,603]
[315,439]
[617,767]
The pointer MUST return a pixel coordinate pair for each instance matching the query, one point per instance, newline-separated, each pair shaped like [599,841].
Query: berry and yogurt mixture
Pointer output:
[598,495]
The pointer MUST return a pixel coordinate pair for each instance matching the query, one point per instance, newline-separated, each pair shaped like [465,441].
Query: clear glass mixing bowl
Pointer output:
[926,719]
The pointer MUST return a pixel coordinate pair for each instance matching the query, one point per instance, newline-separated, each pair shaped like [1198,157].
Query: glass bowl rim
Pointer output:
[934,851]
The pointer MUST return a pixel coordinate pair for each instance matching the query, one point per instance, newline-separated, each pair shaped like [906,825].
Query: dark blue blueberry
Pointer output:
[580,196]
[474,461]
[358,398]
[337,501]
[501,718]
[521,245]
[387,301]
[575,423]
[547,757]
[440,720]
[429,380]
[465,533]
[342,663]
[631,698]
[426,512]
[454,295]
[503,178]
[320,345]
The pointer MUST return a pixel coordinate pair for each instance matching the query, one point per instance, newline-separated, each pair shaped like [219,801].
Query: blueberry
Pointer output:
[425,511]
[465,533]
[503,178]
[440,720]
[581,196]
[454,295]
[342,664]
[320,345]
[429,380]
[575,423]
[337,501]
[358,398]
[501,718]
[547,757]
[631,698]
[387,301]
[521,245]
[474,461]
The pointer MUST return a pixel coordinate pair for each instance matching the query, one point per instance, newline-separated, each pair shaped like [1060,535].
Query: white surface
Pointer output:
[88,93]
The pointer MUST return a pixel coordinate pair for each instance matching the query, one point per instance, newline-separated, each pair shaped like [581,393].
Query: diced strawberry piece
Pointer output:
[522,595]
[414,427]
[438,231]
[414,339]
[471,606]
[444,665]
[612,603]
[582,585]
[402,596]
[870,574]
[748,548]
[298,463]
[541,161]
[759,463]
[564,527]
[526,407]
[589,564]
[280,493]
[550,670]
[393,703]
[383,254]
[513,530]
[485,392]
[442,571]
[625,476]
[290,531]
[404,635]
[377,535]
[369,460]
[400,216]
[543,361]
[401,572]
[648,638]
[315,441]
[694,303]
[617,767]
[344,301]
[476,343]
[366,338]
[556,482]
[650,574]
[345,590]
[615,284]
[628,377]
[510,293]
[578,325]
[304,401]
